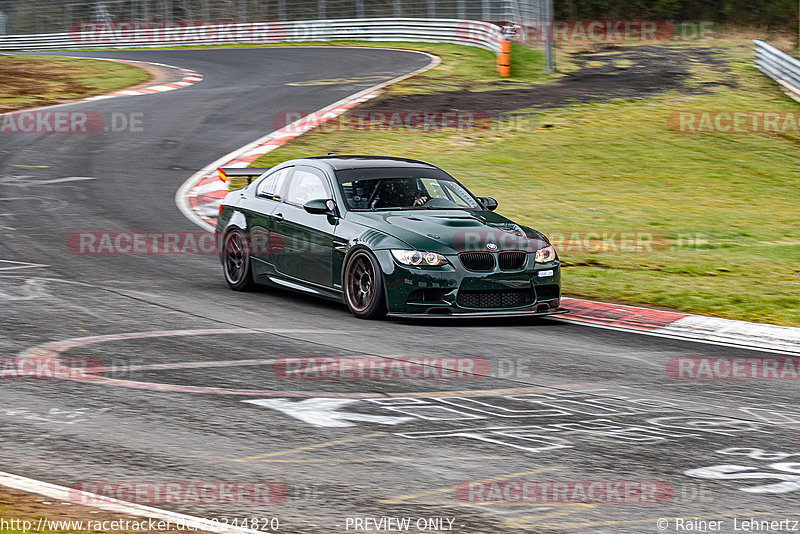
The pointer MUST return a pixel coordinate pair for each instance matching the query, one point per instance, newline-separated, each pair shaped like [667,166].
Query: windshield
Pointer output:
[403,189]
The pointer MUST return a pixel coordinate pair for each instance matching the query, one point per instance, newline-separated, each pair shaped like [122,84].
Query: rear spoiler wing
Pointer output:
[250,173]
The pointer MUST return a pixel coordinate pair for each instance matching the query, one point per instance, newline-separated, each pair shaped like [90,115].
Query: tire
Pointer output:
[236,261]
[363,286]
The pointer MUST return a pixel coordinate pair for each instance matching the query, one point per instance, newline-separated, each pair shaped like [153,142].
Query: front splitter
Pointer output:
[479,314]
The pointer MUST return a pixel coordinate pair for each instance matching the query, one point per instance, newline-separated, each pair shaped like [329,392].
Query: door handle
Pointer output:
[279,217]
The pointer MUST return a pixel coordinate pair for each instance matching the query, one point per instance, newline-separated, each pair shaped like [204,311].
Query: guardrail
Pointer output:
[779,66]
[125,35]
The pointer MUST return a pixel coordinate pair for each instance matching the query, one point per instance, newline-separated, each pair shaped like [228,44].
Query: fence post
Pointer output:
[548,47]
[462,9]
[37,13]
[504,58]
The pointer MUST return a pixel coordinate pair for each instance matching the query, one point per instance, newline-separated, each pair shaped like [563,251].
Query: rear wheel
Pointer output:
[363,286]
[236,262]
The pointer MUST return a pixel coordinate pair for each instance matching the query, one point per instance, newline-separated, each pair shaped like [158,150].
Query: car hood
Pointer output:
[453,231]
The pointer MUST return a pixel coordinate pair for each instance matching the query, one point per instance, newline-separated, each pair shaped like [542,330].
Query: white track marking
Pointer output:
[24,181]
[324,412]
[67,179]
[18,265]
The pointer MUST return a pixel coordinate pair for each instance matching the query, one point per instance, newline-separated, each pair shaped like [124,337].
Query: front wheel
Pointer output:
[363,286]
[236,261]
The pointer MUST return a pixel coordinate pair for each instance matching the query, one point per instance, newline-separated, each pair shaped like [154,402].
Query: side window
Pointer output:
[272,185]
[305,186]
[358,193]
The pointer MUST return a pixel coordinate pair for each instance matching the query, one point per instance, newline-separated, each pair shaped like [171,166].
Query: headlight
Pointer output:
[418,258]
[546,254]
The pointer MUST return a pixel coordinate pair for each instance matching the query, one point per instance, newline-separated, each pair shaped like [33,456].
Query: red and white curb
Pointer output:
[682,325]
[206,194]
[200,196]
[67,495]
[189,77]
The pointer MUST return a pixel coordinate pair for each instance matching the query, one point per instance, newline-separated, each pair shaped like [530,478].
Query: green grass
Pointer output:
[471,69]
[725,206]
[27,80]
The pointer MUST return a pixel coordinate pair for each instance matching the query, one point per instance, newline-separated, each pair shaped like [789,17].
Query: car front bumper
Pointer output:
[452,290]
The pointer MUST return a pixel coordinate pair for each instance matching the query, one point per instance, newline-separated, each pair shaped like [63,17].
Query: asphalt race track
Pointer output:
[562,403]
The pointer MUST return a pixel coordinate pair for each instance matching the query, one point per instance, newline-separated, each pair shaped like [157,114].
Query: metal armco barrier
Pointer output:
[119,35]
[779,66]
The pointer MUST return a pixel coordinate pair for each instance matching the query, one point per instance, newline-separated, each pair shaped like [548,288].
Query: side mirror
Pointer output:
[488,202]
[321,206]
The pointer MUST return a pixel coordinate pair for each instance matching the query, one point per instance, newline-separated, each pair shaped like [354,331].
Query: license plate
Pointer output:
[543,274]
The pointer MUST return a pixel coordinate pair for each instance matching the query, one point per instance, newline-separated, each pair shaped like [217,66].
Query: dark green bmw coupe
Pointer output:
[384,235]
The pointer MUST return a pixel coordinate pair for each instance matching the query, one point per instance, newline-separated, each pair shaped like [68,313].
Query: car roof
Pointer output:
[365,162]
